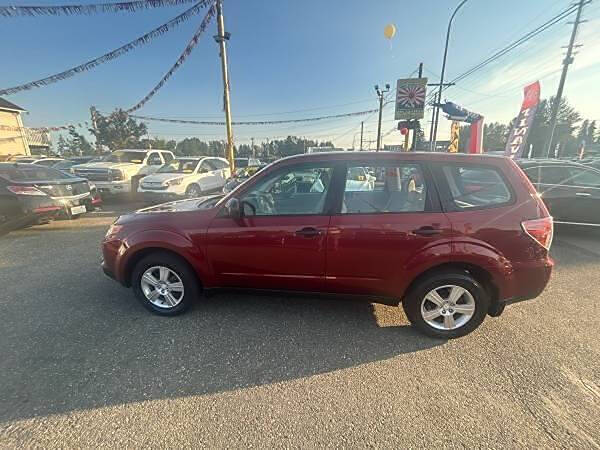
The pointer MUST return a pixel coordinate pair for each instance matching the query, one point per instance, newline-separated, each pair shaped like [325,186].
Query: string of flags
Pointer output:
[159,31]
[180,61]
[70,10]
[258,122]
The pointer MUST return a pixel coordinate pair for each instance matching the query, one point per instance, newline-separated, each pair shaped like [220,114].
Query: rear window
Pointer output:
[476,187]
[36,173]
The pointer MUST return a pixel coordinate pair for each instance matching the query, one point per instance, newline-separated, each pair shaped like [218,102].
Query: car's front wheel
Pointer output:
[193,191]
[164,283]
[447,305]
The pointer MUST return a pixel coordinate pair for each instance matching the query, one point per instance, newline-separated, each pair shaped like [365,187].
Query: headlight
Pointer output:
[115,175]
[174,182]
[113,231]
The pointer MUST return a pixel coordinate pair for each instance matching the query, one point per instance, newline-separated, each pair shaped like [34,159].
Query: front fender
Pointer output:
[159,239]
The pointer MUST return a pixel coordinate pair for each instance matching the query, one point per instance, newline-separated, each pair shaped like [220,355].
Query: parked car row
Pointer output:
[570,190]
[32,194]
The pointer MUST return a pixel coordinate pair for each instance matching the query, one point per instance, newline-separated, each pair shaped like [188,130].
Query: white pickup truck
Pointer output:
[120,172]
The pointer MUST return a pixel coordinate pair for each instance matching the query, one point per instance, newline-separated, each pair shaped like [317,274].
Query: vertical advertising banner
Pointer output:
[518,136]
[476,139]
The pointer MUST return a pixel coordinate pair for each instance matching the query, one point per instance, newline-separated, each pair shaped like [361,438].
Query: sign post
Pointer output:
[410,98]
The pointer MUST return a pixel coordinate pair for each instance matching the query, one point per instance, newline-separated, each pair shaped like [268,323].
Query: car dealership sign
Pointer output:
[410,98]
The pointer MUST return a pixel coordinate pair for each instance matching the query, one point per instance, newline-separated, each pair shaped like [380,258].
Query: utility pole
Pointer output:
[436,109]
[222,37]
[561,85]
[380,94]
[253,151]
[362,124]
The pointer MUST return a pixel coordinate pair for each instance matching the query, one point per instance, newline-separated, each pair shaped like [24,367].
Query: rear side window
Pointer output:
[167,157]
[476,187]
[219,164]
[384,189]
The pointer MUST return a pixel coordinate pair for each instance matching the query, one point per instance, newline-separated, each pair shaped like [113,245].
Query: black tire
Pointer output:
[181,269]
[135,184]
[189,191]
[414,299]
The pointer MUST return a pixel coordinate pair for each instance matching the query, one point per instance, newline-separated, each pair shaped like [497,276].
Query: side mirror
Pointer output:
[234,208]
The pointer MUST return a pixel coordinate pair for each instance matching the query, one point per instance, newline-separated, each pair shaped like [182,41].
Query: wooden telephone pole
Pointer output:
[222,37]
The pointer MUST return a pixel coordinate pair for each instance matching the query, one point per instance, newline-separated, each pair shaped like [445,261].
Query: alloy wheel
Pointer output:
[162,287]
[448,307]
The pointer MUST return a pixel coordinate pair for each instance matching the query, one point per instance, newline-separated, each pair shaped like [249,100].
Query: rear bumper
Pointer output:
[526,282]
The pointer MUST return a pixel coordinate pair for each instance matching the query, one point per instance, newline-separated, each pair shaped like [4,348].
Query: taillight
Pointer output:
[25,190]
[540,230]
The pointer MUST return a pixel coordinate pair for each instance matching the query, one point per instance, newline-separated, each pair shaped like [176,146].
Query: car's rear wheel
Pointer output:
[447,305]
[193,191]
[164,283]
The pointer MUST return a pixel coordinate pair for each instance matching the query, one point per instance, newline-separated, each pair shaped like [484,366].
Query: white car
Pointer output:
[359,179]
[185,178]
[119,172]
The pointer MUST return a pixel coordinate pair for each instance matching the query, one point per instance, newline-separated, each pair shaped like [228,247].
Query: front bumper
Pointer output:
[113,187]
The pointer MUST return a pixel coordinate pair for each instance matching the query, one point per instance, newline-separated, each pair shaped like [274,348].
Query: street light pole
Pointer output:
[221,38]
[380,94]
[436,109]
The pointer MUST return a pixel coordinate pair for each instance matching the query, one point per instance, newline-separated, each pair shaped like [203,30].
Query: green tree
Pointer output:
[495,135]
[77,144]
[62,147]
[157,144]
[567,121]
[191,147]
[117,130]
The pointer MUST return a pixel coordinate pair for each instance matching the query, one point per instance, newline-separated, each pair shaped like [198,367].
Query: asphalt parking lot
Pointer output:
[84,365]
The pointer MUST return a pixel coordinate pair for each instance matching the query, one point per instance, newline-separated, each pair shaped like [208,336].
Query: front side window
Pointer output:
[292,191]
[476,187]
[207,166]
[555,175]
[167,157]
[585,177]
[384,189]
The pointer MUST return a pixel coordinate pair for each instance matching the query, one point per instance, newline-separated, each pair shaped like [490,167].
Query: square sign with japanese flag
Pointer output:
[410,98]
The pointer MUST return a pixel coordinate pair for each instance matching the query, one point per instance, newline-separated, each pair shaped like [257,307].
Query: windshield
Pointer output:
[121,156]
[180,166]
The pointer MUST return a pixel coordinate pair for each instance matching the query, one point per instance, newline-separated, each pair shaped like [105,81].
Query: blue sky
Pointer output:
[293,58]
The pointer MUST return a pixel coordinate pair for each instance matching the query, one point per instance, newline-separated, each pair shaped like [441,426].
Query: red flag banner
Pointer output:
[518,136]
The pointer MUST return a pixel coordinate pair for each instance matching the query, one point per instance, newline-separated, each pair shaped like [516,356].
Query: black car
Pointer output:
[71,192]
[22,206]
[570,190]
[66,164]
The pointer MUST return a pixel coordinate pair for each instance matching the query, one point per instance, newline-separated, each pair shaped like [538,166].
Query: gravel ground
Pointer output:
[84,365]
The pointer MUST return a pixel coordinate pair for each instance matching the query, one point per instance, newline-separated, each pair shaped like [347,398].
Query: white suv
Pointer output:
[120,171]
[185,177]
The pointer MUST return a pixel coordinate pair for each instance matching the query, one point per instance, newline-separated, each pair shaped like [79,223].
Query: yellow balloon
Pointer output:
[389,31]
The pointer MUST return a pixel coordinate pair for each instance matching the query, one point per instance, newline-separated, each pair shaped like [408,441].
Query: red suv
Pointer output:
[451,237]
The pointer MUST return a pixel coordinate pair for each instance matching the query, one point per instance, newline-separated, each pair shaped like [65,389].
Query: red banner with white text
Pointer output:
[517,140]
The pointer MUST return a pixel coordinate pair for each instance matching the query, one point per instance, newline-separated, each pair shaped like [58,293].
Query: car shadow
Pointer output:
[105,349]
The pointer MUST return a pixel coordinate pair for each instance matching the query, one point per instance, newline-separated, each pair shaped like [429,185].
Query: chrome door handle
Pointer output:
[308,232]
[583,194]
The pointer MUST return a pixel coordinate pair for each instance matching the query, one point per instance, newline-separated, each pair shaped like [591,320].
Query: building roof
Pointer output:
[5,104]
